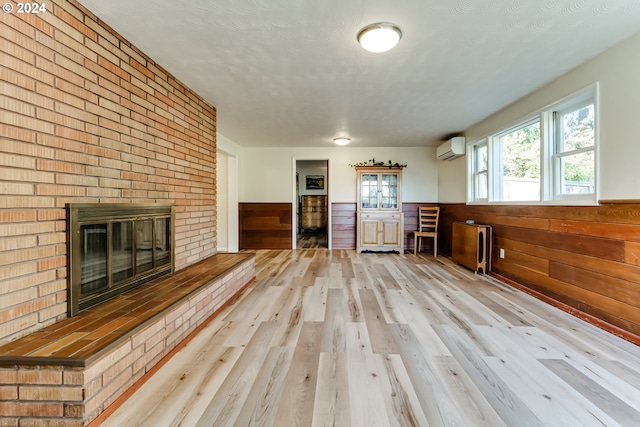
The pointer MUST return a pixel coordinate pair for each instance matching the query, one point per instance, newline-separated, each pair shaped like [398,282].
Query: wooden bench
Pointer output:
[69,372]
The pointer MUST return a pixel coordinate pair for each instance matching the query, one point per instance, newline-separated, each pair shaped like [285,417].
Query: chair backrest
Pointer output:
[428,218]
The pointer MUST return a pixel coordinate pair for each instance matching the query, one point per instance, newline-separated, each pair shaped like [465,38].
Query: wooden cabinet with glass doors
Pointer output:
[380,221]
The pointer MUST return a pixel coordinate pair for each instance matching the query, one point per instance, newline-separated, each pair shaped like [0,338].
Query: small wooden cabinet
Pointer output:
[471,246]
[380,221]
[380,232]
[313,213]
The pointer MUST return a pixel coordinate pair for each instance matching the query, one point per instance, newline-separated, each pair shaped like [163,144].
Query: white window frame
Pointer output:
[550,179]
[557,155]
[472,166]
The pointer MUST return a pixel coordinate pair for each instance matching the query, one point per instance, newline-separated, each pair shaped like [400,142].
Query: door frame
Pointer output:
[294,198]
[232,231]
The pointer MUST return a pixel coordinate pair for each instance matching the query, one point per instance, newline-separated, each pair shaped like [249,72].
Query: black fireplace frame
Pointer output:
[87,214]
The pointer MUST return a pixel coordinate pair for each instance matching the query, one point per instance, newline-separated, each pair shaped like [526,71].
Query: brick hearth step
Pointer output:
[70,372]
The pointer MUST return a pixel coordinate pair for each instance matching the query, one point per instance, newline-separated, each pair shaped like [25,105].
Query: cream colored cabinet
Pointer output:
[380,221]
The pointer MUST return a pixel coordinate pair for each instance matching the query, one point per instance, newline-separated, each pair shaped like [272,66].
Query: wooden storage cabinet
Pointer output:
[380,232]
[472,246]
[380,221]
[313,213]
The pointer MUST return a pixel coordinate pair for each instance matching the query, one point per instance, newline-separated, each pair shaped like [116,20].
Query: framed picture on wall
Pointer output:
[315,182]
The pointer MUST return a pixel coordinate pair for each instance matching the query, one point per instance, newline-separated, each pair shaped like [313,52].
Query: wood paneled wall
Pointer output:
[343,226]
[265,225]
[584,258]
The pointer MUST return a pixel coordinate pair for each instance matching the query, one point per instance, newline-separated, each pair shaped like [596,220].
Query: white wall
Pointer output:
[266,174]
[618,72]
[222,200]
[452,180]
[304,169]
[228,154]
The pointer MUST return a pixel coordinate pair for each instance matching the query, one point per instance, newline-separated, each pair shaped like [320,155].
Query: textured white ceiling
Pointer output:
[290,72]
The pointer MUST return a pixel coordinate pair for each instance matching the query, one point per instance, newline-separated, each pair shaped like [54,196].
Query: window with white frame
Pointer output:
[574,154]
[518,163]
[546,158]
[479,170]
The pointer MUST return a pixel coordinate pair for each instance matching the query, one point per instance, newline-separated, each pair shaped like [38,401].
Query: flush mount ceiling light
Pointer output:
[379,37]
[342,141]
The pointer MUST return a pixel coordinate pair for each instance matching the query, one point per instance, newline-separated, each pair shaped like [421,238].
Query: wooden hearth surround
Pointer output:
[70,372]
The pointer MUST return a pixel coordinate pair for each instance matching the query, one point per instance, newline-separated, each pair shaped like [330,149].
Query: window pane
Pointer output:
[389,191]
[521,164]
[577,129]
[369,191]
[481,158]
[480,185]
[578,173]
[480,167]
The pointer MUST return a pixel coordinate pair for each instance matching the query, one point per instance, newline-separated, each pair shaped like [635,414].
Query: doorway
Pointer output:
[312,204]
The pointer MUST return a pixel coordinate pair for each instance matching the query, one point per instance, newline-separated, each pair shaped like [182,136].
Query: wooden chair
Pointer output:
[427,227]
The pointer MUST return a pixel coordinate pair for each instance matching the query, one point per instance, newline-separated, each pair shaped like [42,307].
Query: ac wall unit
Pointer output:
[451,149]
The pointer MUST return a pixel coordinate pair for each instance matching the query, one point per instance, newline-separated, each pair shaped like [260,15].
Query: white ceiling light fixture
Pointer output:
[379,37]
[342,141]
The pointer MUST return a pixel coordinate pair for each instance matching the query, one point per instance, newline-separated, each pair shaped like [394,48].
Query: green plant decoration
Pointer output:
[373,162]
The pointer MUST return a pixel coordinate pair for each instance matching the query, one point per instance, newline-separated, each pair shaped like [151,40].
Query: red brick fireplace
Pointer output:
[87,118]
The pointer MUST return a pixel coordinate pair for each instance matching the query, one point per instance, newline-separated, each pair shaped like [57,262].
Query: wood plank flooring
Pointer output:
[335,338]
[310,240]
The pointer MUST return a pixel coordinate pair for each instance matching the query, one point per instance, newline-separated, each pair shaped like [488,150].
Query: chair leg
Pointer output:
[415,245]
[435,247]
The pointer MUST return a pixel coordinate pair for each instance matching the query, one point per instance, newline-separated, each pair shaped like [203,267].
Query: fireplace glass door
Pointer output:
[93,257]
[163,241]
[144,245]
[121,251]
[115,248]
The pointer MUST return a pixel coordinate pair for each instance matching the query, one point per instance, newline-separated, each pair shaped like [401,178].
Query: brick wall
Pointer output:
[86,117]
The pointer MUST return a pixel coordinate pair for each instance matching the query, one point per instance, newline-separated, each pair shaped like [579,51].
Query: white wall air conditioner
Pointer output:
[451,149]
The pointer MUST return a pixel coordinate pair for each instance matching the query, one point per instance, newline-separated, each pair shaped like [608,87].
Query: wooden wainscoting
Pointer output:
[265,225]
[343,226]
[585,258]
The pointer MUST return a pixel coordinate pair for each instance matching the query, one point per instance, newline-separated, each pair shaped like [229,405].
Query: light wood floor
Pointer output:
[333,338]
[311,240]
